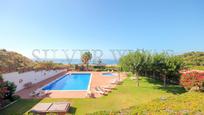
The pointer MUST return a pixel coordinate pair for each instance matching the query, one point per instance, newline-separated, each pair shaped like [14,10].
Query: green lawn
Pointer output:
[197,67]
[191,103]
[125,95]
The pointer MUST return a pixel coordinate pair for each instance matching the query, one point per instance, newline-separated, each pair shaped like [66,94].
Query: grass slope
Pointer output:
[126,95]
[189,103]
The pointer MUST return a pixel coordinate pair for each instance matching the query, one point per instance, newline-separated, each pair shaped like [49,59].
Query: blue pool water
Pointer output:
[108,74]
[75,81]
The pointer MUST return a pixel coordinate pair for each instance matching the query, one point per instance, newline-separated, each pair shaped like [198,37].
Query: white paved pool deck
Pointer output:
[97,79]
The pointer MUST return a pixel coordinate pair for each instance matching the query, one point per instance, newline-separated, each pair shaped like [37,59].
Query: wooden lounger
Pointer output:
[60,108]
[40,108]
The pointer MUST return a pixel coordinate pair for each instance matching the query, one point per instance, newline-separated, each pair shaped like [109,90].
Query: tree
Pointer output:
[175,64]
[143,62]
[85,58]
[167,66]
[160,65]
[133,63]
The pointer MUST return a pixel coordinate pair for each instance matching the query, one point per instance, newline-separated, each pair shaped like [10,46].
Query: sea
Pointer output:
[78,61]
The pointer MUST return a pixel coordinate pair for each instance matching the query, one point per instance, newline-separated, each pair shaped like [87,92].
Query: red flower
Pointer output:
[192,78]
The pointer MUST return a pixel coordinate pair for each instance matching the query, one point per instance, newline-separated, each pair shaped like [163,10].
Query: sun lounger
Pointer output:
[38,92]
[104,89]
[41,108]
[116,81]
[109,86]
[35,92]
[100,91]
[59,108]
[120,81]
[90,94]
[113,81]
[42,93]
[32,94]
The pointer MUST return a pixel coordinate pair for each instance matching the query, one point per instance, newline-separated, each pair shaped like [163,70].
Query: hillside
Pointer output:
[191,103]
[12,61]
[193,58]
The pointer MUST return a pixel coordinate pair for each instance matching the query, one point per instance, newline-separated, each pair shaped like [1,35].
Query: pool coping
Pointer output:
[89,85]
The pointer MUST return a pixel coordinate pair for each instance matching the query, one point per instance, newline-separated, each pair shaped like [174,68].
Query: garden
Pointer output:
[157,83]
[124,96]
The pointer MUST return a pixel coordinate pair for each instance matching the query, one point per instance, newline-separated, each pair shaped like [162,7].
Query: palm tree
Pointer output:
[85,58]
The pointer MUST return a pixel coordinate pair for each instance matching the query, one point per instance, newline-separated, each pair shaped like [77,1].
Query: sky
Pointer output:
[176,25]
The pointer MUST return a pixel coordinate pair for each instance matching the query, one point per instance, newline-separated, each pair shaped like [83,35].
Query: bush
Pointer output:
[3,89]
[99,67]
[192,81]
[7,89]
[11,88]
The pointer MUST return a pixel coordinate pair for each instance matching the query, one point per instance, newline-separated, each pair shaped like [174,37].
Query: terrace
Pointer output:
[97,79]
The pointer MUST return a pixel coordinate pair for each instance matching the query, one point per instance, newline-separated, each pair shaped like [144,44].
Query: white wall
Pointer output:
[30,76]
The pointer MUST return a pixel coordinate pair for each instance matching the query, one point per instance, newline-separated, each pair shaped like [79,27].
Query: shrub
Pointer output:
[11,88]
[7,89]
[99,67]
[192,80]
[3,89]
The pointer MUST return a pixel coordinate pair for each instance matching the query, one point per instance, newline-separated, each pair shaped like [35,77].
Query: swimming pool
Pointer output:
[108,74]
[73,81]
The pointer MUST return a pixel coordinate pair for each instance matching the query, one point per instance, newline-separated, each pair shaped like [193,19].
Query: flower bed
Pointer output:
[192,80]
